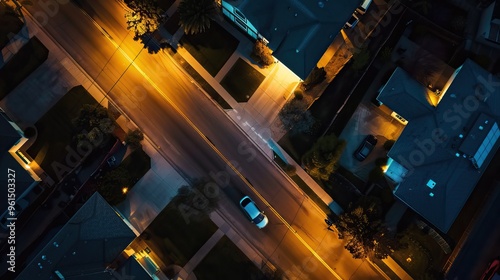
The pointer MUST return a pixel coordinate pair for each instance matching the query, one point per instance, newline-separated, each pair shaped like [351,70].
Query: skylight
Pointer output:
[431,184]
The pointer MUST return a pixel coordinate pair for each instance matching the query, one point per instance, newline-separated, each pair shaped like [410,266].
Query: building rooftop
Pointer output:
[9,136]
[85,245]
[406,94]
[436,152]
[298,31]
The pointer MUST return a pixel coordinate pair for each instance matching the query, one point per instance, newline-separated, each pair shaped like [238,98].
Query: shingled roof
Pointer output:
[437,148]
[89,241]
[298,31]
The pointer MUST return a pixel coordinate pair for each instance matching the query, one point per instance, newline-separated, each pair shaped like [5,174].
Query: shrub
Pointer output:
[290,170]
[360,59]
[298,94]
[262,53]
[388,144]
[134,138]
[322,159]
[295,117]
[381,161]
[316,76]
[267,59]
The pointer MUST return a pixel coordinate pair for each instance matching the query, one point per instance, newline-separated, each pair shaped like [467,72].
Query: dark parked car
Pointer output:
[365,148]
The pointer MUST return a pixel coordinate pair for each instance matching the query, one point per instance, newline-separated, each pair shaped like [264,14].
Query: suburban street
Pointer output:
[197,136]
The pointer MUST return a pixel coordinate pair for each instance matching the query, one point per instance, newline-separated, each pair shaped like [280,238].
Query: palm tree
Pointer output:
[195,15]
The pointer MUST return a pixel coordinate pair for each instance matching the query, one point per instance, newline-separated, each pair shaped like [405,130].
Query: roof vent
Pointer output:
[460,136]
[457,154]
[321,4]
[431,194]
[481,127]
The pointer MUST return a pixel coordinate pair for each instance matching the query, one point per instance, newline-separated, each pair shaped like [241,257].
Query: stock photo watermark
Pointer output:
[11,219]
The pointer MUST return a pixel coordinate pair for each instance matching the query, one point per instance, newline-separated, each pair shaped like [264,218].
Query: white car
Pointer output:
[254,214]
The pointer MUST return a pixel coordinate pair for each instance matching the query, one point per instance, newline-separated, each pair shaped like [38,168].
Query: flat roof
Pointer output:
[429,145]
[298,31]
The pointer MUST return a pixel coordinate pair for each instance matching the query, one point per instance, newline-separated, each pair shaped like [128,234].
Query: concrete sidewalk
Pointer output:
[256,118]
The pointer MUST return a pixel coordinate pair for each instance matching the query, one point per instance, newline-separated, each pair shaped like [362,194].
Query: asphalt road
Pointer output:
[180,119]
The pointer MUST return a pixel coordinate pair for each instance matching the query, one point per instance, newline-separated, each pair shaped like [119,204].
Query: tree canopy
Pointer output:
[195,16]
[295,117]
[134,138]
[322,159]
[363,228]
[145,16]
[262,53]
[111,185]
[93,121]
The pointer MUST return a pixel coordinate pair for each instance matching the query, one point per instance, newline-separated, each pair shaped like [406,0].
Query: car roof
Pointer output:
[249,205]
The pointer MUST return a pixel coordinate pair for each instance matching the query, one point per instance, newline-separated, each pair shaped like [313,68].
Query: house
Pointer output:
[489,25]
[298,31]
[449,140]
[86,247]
[11,139]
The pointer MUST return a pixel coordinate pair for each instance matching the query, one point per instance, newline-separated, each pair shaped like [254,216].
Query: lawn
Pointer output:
[211,48]
[242,81]
[137,164]
[24,62]
[10,24]
[422,254]
[226,261]
[55,130]
[202,82]
[414,260]
[177,239]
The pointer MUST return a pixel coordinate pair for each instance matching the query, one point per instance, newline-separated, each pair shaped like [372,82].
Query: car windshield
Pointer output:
[245,202]
[258,219]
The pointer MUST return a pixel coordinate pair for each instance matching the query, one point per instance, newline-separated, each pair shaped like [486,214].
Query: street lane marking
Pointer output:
[177,109]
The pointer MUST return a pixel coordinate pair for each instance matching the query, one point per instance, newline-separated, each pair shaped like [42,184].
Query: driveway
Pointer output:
[367,119]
